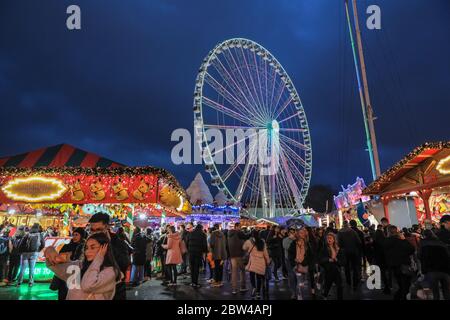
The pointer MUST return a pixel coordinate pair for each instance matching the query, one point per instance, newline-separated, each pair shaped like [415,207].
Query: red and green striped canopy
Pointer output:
[61,155]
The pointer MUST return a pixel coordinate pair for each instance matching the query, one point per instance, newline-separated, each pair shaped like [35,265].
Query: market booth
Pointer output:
[62,186]
[417,188]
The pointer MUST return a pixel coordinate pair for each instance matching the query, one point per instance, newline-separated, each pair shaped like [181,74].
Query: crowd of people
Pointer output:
[310,260]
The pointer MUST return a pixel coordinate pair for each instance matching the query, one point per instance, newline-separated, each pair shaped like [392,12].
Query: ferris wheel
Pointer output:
[243,91]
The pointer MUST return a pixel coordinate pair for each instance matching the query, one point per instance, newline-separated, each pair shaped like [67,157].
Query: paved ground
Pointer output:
[153,290]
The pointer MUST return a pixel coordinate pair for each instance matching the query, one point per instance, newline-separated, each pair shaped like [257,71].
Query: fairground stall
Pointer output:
[351,204]
[417,188]
[62,186]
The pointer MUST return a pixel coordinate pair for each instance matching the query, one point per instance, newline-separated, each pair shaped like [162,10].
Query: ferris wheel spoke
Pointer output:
[293,187]
[230,81]
[294,168]
[233,144]
[218,126]
[286,103]
[231,169]
[292,141]
[293,130]
[233,114]
[280,91]
[257,76]
[290,117]
[237,104]
[231,60]
[295,155]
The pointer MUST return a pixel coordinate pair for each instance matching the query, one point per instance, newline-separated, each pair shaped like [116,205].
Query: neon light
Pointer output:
[34,189]
[444,166]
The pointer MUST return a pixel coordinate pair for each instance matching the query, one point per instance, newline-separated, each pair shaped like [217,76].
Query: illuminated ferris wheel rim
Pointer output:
[283,76]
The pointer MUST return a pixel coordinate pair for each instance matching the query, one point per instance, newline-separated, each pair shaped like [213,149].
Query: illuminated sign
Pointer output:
[34,189]
[444,166]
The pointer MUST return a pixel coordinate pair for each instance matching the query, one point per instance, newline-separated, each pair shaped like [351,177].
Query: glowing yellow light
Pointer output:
[444,166]
[34,189]
[181,203]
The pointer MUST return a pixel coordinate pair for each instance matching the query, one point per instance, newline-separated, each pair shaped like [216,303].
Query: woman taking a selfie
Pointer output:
[92,278]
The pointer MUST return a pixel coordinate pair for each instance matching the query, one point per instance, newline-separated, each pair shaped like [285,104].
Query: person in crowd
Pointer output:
[174,254]
[99,223]
[72,251]
[161,253]
[292,278]
[380,259]
[331,259]
[362,257]
[444,231]
[4,255]
[284,235]
[33,244]
[385,224]
[299,256]
[219,254]
[209,257]
[368,245]
[274,244]
[183,235]
[139,244]
[258,260]
[197,247]
[398,253]
[16,246]
[350,242]
[236,239]
[411,238]
[435,263]
[312,247]
[99,271]
[148,254]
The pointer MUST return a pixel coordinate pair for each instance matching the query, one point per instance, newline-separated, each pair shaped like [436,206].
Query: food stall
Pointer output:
[62,186]
[417,188]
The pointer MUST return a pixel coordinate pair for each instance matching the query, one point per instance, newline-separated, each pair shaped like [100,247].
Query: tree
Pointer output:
[317,198]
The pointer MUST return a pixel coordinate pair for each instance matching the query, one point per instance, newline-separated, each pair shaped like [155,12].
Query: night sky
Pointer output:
[123,83]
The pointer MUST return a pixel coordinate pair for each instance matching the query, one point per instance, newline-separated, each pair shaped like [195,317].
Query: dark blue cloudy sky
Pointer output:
[121,85]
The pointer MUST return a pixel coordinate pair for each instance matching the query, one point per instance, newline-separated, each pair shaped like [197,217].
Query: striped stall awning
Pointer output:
[61,155]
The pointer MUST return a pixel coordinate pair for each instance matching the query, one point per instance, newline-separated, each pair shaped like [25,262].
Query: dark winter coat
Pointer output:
[196,242]
[218,245]
[120,252]
[434,256]
[444,236]
[397,252]
[139,243]
[324,259]
[349,240]
[236,239]
[292,254]
[275,245]
[378,248]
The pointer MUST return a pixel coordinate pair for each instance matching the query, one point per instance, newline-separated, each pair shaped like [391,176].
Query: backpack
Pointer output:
[34,242]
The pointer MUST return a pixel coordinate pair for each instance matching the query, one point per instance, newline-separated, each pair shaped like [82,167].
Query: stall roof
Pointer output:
[60,155]
[405,165]
[72,160]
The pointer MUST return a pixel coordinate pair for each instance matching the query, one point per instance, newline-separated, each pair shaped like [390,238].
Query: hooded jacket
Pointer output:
[397,251]
[173,247]
[218,245]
